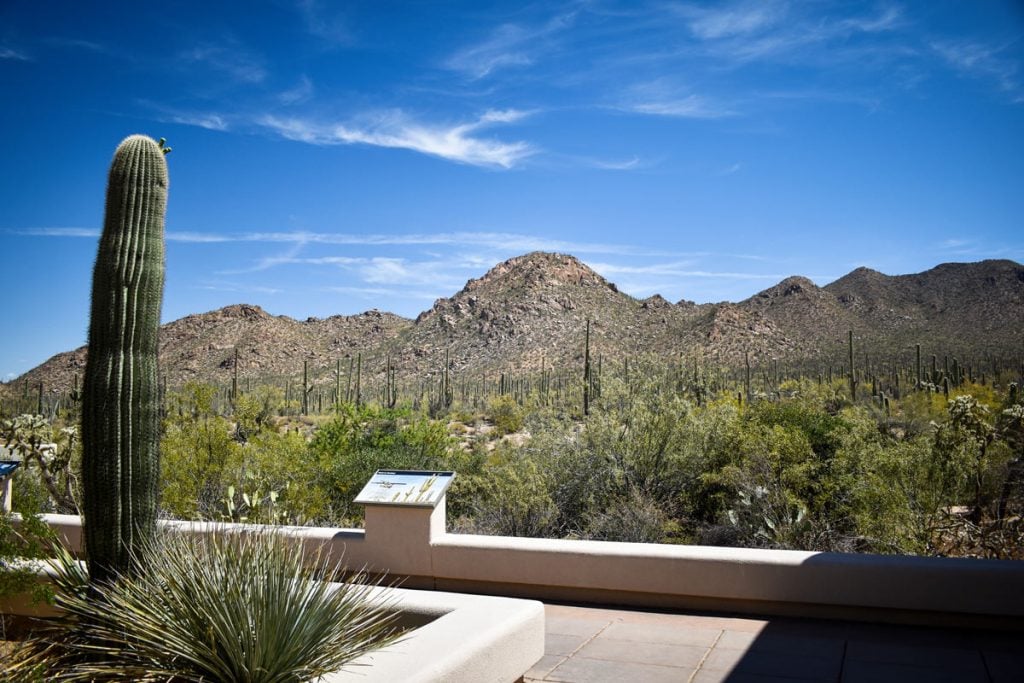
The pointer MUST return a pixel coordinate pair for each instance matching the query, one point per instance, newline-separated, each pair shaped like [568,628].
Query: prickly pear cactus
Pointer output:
[120,394]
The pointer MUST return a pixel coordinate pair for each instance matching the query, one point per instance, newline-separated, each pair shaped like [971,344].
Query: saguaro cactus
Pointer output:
[120,394]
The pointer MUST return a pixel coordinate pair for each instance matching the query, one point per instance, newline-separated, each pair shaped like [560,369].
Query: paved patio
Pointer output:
[594,645]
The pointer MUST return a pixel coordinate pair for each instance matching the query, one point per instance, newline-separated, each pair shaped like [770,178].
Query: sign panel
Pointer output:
[405,487]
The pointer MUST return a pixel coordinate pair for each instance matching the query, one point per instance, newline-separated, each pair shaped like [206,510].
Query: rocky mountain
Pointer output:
[532,310]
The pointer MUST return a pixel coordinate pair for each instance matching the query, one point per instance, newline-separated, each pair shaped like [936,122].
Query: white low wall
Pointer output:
[412,543]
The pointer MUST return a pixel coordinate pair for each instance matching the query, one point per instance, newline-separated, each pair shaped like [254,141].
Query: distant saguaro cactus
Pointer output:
[120,393]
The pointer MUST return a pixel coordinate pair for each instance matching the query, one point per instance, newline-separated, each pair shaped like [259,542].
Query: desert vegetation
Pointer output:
[773,458]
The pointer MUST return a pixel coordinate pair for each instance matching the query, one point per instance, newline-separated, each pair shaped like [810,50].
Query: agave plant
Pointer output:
[220,607]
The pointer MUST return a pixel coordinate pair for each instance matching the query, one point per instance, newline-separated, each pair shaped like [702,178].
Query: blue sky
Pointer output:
[332,157]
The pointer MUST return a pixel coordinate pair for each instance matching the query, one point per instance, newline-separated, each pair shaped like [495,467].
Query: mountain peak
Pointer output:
[540,268]
[245,311]
[794,285]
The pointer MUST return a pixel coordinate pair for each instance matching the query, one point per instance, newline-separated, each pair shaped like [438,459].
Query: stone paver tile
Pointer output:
[715,676]
[661,633]
[765,663]
[917,655]
[543,667]
[584,670]
[574,627]
[723,659]
[860,671]
[574,612]
[714,622]
[802,645]
[730,623]
[559,644]
[736,640]
[1004,667]
[643,653]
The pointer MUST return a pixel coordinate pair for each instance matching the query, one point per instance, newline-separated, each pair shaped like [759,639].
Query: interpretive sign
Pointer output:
[405,487]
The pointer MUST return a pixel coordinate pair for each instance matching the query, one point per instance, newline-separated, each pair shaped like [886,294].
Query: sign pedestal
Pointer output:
[405,514]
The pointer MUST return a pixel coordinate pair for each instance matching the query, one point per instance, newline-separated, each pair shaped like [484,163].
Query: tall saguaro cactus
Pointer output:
[120,395]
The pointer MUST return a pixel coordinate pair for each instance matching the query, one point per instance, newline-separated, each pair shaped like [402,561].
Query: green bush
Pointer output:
[359,440]
[506,414]
[199,457]
[512,499]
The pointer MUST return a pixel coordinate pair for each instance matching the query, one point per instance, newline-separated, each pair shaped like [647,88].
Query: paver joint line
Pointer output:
[705,657]
[579,647]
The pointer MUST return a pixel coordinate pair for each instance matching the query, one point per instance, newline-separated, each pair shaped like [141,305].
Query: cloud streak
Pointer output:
[664,97]
[230,60]
[298,94]
[682,269]
[319,22]
[395,129]
[748,31]
[509,45]
[16,55]
[516,243]
[979,60]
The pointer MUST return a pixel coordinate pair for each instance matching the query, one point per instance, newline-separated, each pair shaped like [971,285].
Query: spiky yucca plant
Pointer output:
[221,607]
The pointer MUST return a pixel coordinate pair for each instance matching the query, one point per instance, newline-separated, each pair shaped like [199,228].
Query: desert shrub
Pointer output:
[199,458]
[25,544]
[255,412]
[633,518]
[578,478]
[513,499]
[506,414]
[277,481]
[359,440]
[221,607]
[54,471]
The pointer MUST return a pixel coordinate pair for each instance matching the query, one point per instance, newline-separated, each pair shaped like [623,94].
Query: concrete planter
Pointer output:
[454,638]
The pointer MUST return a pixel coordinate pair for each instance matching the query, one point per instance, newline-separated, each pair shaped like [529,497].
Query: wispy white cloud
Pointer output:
[747,31]
[677,269]
[690,107]
[11,53]
[268,262]
[509,45]
[664,97]
[504,242]
[970,248]
[887,19]
[980,60]
[395,129]
[724,21]
[323,21]
[623,165]
[729,170]
[201,119]
[298,94]
[225,286]
[207,121]
[230,59]
[58,232]
[387,270]
[379,292]
[78,44]
[506,47]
